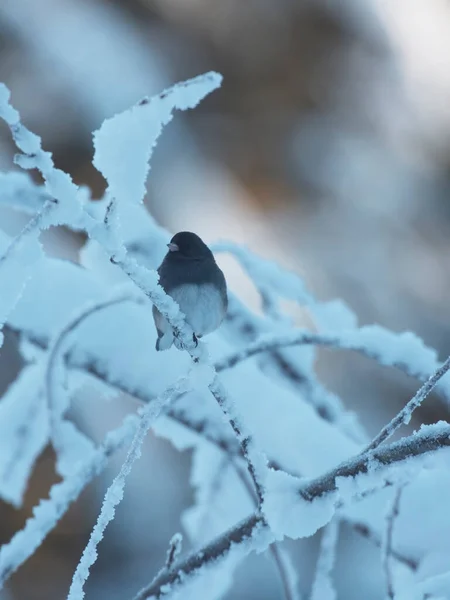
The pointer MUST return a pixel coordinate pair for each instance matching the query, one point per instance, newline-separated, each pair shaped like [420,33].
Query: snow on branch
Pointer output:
[20,192]
[254,413]
[404,351]
[253,531]
[323,588]
[404,416]
[386,553]
[114,494]
[47,514]
[124,143]
[56,395]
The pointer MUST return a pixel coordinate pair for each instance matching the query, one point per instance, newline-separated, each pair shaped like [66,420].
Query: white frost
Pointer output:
[288,513]
[124,143]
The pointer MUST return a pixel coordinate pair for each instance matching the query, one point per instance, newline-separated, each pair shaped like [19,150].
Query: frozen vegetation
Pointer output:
[297,460]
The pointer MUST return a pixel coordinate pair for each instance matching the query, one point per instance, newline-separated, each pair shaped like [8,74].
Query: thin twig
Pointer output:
[114,494]
[308,338]
[174,550]
[245,440]
[404,415]
[322,584]
[57,346]
[387,550]
[48,512]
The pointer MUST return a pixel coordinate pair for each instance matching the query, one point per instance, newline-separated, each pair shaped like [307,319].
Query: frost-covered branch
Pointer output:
[48,512]
[367,341]
[174,550]
[217,437]
[376,539]
[115,492]
[293,370]
[404,416]
[323,588]
[255,462]
[55,355]
[428,440]
[387,545]
[244,535]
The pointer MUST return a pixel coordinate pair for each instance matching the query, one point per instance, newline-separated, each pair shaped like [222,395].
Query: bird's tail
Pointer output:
[164,341]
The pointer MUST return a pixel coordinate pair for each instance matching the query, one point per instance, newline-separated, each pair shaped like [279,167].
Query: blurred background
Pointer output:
[327,149]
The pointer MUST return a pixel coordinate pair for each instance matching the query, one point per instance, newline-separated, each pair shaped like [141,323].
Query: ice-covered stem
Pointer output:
[375,539]
[174,550]
[432,438]
[386,550]
[210,554]
[55,354]
[327,404]
[281,558]
[429,439]
[347,340]
[48,512]
[322,586]
[404,416]
[33,227]
[287,571]
[58,184]
[115,491]
[250,455]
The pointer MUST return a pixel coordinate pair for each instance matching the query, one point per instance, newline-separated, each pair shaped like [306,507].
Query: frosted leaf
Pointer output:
[17,190]
[7,112]
[74,448]
[323,588]
[288,513]
[334,316]
[18,258]
[24,431]
[124,143]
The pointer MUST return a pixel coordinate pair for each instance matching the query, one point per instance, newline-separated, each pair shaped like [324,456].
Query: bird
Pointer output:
[191,276]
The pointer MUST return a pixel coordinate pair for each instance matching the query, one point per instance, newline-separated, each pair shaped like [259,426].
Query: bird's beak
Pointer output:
[173,247]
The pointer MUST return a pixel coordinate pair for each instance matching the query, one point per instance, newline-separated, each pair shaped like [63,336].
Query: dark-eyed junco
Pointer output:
[191,276]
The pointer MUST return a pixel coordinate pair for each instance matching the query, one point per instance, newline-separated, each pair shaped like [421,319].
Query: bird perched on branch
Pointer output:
[191,276]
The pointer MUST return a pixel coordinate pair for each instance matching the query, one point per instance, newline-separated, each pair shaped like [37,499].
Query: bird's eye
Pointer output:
[173,247]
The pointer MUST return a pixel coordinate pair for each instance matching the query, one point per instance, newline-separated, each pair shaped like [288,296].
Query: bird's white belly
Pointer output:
[202,305]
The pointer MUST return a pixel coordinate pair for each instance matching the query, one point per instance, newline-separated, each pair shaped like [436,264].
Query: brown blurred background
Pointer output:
[327,148]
